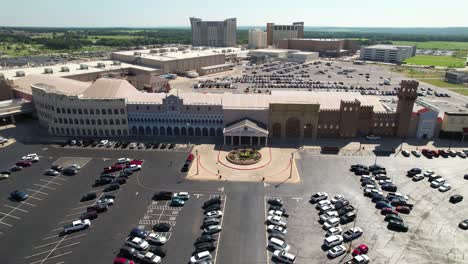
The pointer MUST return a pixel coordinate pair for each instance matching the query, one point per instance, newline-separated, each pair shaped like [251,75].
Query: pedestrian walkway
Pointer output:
[277,165]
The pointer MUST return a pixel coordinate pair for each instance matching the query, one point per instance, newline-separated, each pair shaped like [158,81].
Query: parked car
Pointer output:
[162,196]
[205,238]
[318,197]
[91,215]
[70,171]
[389,187]
[416,153]
[112,187]
[346,209]
[19,196]
[137,232]
[418,177]
[456,198]
[348,217]
[98,207]
[217,214]
[129,252]
[277,220]
[283,256]
[403,209]
[201,257]
[437,183]
[332,241]
[213,229]
[176,202]
[334,231]
[51,172]
[88,197]
[405,153]
[275,201]
[181,195]
[137,243]
[336,251]
[102,181]
[77,225]
[150,258]
[397,226]
[120,260]
[277,244]
[361,249]
[162,227]
[463,224]
[276,228]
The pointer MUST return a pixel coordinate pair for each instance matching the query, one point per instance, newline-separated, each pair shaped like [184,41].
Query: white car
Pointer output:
[334,231]
[76,166]
[322,203]
[401,196]
[102,143]
[437,183]
[327,208]
[201,257]
[428,173]
[445,187]
[337,251]
[332,241]
[382,182]
[337,198]
[361,259]
[151,258]
[277,229]
[134,167]
[277,244]
[418,177]
[108,201]
[275,212]
[132,145]
[318,197]
[31,157]
[283,256]
[332,222]
[3,140]
[77,226]
[374,191]
[51,172]
[4,176]
[140,146]
[277,220]
[212,214]
[330,214]
[156,238]
[352,233]
[137,243]
[182,195]
[123,160]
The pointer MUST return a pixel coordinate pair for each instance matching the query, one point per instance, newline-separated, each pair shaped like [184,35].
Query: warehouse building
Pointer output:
[456,77]
[173,60]
[387,53]
[325,47]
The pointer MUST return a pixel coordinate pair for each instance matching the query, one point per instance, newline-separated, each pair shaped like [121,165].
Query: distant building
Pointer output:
[325,47]
[387,53]
[214,33]
[284,54]
[456,77]
[425,121]
[275,33]
[257,39]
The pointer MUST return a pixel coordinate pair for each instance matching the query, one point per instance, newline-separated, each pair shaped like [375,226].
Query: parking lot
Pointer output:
[433,235]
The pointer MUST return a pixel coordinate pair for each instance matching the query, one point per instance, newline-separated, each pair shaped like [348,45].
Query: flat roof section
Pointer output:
[167,55]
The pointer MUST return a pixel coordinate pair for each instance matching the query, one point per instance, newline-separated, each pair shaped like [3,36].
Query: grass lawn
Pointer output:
[447,45]
[20,50]
[443,61]
[418,73]
[113,37]
[463,91]
[441,83]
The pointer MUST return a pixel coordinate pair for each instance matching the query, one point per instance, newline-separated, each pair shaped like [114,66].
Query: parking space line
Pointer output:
[266,230]
[51,243]
[56,256]
[35,198]
[3,223]
[80,212]
[60,178]
[15,208]
[49,237]
[56,229]
[219,236]
[30,204]
[36,191]
[45,186]
[9,215]
[50,182]
[61,262]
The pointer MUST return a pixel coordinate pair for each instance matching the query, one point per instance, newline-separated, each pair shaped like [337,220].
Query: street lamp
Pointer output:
[292,159]
[196,155]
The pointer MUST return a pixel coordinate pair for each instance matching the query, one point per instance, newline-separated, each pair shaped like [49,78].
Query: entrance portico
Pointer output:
[245,132]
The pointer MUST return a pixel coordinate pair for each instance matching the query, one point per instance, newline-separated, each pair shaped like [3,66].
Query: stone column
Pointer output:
[232,140]
[258,141]
[224,137]
[250,140]
[266,141]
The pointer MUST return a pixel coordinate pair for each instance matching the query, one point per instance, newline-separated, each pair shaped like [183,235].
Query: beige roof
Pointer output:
[62,85]
[109,88]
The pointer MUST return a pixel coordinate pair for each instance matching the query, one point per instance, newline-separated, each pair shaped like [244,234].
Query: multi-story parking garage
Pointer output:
[113,108]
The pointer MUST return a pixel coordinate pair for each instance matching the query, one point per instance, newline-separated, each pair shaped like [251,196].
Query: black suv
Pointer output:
[88,196]
[162,196]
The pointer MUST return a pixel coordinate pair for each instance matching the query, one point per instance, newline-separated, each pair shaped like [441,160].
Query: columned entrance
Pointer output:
[245,132]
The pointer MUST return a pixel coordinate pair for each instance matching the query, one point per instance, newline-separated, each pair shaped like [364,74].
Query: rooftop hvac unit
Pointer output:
[163,50]
[48,71]
[173,50]
[154,51]
[20,74]
[137,53]
[229,50]
[64,69]
[2,76]
[83,67]
[101,65]
[116,63]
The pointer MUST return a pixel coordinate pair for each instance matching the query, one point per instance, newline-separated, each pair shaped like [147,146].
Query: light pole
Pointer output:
[196,154]
[290,170]
[188,136]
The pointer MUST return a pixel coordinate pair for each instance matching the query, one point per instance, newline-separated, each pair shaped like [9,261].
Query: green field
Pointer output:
[19,50]
[463,91]
[442,61]
[447,45]
[441,83]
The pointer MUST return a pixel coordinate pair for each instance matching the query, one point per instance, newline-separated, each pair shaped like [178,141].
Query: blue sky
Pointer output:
[155,13]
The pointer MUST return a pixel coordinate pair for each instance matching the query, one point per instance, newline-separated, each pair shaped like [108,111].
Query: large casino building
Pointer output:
[112,108]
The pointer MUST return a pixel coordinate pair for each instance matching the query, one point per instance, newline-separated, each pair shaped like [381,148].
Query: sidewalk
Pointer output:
[275,166]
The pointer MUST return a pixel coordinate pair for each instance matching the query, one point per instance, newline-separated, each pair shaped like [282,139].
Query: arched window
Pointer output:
[99,122]
[104,121]
[111,122]
[117,122]
[93,122]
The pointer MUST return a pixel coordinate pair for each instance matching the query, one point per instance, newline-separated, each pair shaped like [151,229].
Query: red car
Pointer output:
[386,211]
[190,157]
[119,260]
[361,249]
[435,153]
[403,209]
[24,163]
[136,162]
[115,167]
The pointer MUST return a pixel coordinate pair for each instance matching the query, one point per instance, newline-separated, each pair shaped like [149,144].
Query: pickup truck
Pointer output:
[77,226]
